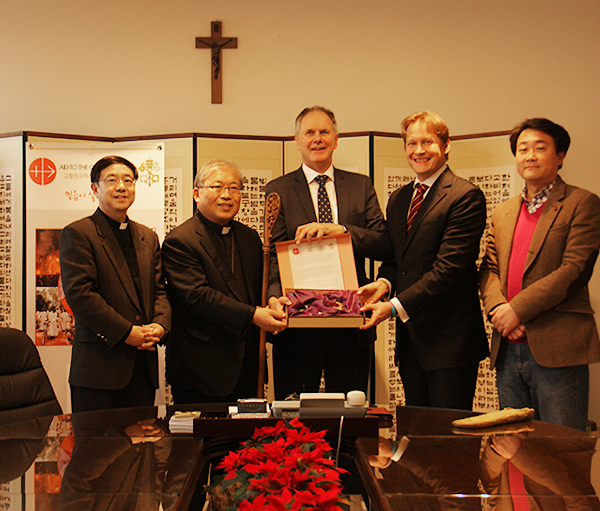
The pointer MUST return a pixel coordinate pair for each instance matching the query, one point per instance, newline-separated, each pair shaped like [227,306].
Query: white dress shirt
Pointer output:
[313,186]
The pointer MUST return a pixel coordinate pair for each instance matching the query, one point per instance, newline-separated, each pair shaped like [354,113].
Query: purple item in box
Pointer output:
[306,302]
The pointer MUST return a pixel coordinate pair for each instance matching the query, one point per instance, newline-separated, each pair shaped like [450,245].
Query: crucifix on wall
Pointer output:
[216,42]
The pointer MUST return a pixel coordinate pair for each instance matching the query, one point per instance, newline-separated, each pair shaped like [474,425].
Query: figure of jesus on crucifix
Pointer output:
[216,42]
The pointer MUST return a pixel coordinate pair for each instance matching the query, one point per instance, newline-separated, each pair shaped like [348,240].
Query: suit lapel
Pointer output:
[146,269]
[438,191]
[247,265]
[398,209]
[549,214]
[342,195]
[115,254]
[303,195]
[216,256]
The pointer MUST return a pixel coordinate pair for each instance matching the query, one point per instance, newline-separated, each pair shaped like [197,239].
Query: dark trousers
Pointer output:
[140,391]
[246,386]
[453,387]
[301,355]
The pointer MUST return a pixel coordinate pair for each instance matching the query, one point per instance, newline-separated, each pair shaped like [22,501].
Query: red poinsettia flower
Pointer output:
[285,467]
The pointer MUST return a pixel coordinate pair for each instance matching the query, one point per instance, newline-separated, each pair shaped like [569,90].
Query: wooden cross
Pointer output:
[216,42]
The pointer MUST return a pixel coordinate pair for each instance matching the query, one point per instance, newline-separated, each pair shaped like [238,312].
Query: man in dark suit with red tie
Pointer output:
[112,278]
[319,200]
[213,266]
[435,226]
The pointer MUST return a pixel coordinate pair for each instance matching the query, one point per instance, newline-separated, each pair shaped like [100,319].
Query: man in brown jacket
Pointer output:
[542,247]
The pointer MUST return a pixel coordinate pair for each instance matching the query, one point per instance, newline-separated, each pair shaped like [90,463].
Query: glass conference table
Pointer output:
[107,460]
[127,459]
[526,465]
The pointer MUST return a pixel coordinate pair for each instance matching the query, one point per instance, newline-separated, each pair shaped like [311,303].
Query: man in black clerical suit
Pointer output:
[112,279]
[300,355]
[213,266]
[435,225]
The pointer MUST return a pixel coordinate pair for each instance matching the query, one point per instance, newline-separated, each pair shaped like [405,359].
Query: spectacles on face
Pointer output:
[234,190]
[112,182]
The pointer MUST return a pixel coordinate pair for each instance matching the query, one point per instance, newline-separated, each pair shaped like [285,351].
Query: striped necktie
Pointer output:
[415,204]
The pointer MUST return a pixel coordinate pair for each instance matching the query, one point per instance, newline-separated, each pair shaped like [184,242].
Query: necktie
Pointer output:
[325,216]
[415,204]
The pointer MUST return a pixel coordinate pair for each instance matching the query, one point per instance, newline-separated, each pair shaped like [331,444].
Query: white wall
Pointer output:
[130,67]
[120,68]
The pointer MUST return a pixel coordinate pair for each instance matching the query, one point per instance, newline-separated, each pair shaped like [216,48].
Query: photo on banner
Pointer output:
[54,323]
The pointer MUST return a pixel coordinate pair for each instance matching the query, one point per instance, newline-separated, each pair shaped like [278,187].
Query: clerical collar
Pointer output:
[116,224]
[311,173]
[216,228]
[432,179]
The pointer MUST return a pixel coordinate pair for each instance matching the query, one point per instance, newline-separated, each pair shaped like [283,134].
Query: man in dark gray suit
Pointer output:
[301,355]
[112,279]
[213,266]
[435,226]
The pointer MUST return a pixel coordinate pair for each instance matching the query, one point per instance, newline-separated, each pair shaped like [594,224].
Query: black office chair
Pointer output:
[25,390]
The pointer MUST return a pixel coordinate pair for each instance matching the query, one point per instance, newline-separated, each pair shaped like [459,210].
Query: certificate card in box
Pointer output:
[325,271]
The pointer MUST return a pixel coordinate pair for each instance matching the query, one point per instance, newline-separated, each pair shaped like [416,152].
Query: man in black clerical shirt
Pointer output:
[112,278]
[213,266]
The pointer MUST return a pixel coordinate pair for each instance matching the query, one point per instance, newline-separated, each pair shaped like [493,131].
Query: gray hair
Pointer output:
[213,166]
[317,108]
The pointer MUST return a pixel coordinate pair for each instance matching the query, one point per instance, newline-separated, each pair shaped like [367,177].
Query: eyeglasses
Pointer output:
[234,190]
[128,182]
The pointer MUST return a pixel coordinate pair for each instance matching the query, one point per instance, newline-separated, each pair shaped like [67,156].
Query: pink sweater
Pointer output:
[524,230]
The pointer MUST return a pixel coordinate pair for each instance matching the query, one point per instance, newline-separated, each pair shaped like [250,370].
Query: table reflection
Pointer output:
[20,444]
[552,472]
[127,460]
[120,463]
[104,460]
[530,465]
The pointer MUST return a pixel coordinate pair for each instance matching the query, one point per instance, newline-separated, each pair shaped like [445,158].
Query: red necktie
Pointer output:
[415,204]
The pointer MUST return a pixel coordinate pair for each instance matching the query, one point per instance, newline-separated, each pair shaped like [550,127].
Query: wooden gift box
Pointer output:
[325,265]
